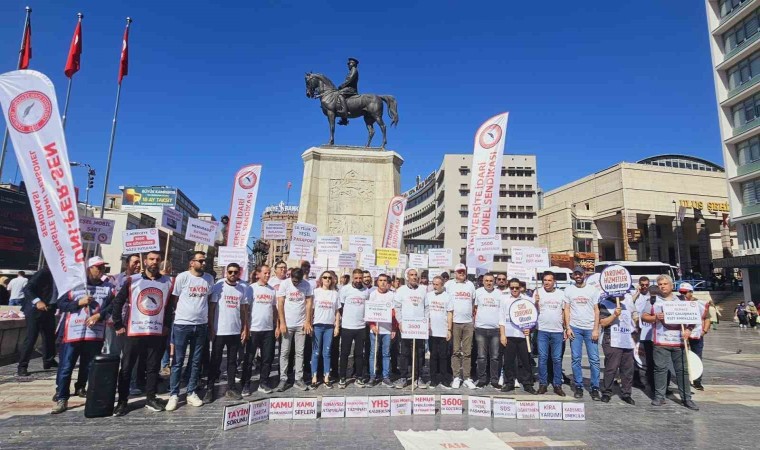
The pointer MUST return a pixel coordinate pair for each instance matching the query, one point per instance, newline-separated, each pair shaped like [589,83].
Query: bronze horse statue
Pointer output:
[369,106]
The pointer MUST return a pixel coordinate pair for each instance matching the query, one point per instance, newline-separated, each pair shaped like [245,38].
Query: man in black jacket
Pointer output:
[40,300]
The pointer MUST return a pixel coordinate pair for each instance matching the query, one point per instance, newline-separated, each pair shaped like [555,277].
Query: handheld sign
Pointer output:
[524,314]
[681,313]
[414,329]
[615,280]
[378,309]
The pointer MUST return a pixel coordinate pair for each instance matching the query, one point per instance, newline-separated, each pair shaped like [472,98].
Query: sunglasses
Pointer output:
[327,278]
[501,279]
[514,288]
[233,272]
[199,260]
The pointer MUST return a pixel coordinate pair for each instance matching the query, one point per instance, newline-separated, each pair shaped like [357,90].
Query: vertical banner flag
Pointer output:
[75,51]
[484,186]
[394,222]
[244,191]
[26,46]
[34,124]
[124,62]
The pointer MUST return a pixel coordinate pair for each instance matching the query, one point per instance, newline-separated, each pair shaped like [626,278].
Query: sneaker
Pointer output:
[342,383]
[247,390]
[165,372]
[23,372]
[171,405]
[301,386]
[517,384]
[387,383]
[530,390]
[507,388]
[455,383]
[578,392]
[121,409]
[232,394]
[153,404]
[421,384]
[542,389]
[360,383]
[281,386]
[400,383]
[595,394]
[314,383]
[444,385]
[496,385]
[658,402]
[51,365]
[481,385]
[691,405]
[606,398]
[209,397]
[60,406]
[628,400]
[81,392]
[469,384]
[501,380]
[263,388]
[194,400]
[698,386]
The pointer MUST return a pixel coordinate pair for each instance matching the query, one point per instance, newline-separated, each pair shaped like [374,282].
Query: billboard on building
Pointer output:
[19,244]
[148,198]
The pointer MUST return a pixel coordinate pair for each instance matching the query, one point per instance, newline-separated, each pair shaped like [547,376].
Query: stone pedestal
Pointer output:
[346,190]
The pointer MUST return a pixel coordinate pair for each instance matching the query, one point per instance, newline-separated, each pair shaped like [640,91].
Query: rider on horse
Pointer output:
[347,89]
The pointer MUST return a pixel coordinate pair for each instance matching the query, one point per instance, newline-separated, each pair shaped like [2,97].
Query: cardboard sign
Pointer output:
[505,408]
[259,411]
[418,260]
[172,220]
[304,234]
[423,405]
[523,313]
[573,411]
[227,255]
[275,230]
[331,245]
[368,260]
[533,257]
[550,410]
[488,245]
[386,257]
[281,408]
[681,313]
[615,280]
[360,244]
[414,329]
[326,260]
[140,241]
[451,404]
[401,405]
[378,309]
[301,252]
[379,406]
[305,408]
[357,407]
[440,257]
[236,416]
[403,261]
[346,260]
[479,406]
[201,231]
[333,407]
[527,410]
[96,231]
[522,273]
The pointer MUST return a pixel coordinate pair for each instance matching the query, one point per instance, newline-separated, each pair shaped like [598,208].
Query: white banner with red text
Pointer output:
[244,191]
[394,222]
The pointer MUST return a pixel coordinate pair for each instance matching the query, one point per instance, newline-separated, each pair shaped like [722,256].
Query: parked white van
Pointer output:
[637,269]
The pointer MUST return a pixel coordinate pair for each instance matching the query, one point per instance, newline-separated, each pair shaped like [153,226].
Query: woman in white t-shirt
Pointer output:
[326,325]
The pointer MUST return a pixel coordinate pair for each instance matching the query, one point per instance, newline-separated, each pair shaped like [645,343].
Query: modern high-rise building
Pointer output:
[734,34]
[437,208]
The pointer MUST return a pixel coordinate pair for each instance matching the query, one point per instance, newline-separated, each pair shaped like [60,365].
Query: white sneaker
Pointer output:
[517,384]
[171,405]
[194,400]
[469,384]
[455,383]
[501,380]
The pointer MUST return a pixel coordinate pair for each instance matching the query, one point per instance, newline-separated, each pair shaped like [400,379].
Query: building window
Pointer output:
[582,225]
[729,6]
[744,71]
[751,192]
[745,111]
[741,32]
[583,245]
[748,151]
[464,170]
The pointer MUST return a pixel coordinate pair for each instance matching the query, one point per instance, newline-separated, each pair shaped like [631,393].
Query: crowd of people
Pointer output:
[153,321]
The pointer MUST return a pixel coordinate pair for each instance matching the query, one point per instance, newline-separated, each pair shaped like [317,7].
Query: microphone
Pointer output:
[654,291]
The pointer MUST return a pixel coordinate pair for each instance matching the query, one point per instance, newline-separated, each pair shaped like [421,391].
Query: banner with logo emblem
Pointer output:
[394,222]
[484,186]
[34,125]
[244,191]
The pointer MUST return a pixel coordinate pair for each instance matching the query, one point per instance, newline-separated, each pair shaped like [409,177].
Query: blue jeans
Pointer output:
[385,347]
[84,351]
[321,345]
[16,301]
[194,336]
[592,350]
[547,340]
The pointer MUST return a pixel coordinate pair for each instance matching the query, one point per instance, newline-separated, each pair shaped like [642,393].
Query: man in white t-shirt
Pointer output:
[382,333]
[487,308]
[441,311]
[409,302]
[16,289]
[294,307]
[550,302]
[353,297]
[228,308]
[462,293]
[582,313]
[190,298]
[263,330]
[280,269]
[514,340]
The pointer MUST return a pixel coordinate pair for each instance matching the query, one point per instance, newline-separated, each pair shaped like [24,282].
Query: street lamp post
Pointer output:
[90,184]
[678,240]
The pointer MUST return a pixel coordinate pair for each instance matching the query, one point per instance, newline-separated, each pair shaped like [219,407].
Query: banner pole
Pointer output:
[166,252]
[141,263]
[66,104]
[414,358]
[686,349]
[377,342]
[527,341]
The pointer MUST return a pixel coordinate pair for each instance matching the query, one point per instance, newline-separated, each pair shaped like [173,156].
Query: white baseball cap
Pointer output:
[686,287]
[96,261]
[461,267]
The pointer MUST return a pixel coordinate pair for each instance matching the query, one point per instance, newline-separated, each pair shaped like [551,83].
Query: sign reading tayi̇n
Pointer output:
[236,416]
[96,231]
[615,280]
[34,126]
[275,230]
[244,191]
[201,231]
[172,219]
[484,186]
[488,245]
[386,257]
[394,222]
[141,240]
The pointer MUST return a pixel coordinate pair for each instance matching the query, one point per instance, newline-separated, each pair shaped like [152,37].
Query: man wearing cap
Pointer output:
[696,340]
[582,314]
[462,293]
[513,339]
[347,89]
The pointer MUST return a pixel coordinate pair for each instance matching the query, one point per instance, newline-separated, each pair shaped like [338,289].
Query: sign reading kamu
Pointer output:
[711,206]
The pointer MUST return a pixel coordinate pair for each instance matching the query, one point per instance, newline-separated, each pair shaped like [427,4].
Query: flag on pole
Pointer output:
[26,46]
[75,51]
[124,64]
[290,185]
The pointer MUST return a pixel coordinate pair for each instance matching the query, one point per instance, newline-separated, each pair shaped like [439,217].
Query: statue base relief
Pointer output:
[346,190]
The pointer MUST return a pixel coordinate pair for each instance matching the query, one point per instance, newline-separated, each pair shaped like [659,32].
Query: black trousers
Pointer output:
[617,359]
[347,337]
[232,342]
[517,350]
[439,359]
[263,341]
[646,374]
[39,322]
[335,357]
[152,347]
[405,357]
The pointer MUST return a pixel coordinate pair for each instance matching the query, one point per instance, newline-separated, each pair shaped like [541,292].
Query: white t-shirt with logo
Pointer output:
[550,310]
[295,301]
[439,306]
[192,303]
[353,300]
[263,307]
[410,303]
[275,282]
[582,303]
[489,305]
[463,296]
[326,304]
[228,301]
[384,327]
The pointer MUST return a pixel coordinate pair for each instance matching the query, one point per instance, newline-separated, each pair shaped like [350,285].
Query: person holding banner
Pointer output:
[263,330]
[294,307]
[696,340]
[83,329]
[462,293]
[582,315]
[617,319]
[409,302]
[514,339]
[326,326]
[550,302]
[487,308]
[352,331]
[669,347]
[145,327]
[382,333]
[441,311]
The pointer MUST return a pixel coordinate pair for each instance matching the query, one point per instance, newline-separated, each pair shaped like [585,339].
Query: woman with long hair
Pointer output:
[326,325]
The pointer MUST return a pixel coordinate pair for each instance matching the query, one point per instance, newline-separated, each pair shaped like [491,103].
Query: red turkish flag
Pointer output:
[72,62]
[26,47]
[124,64]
